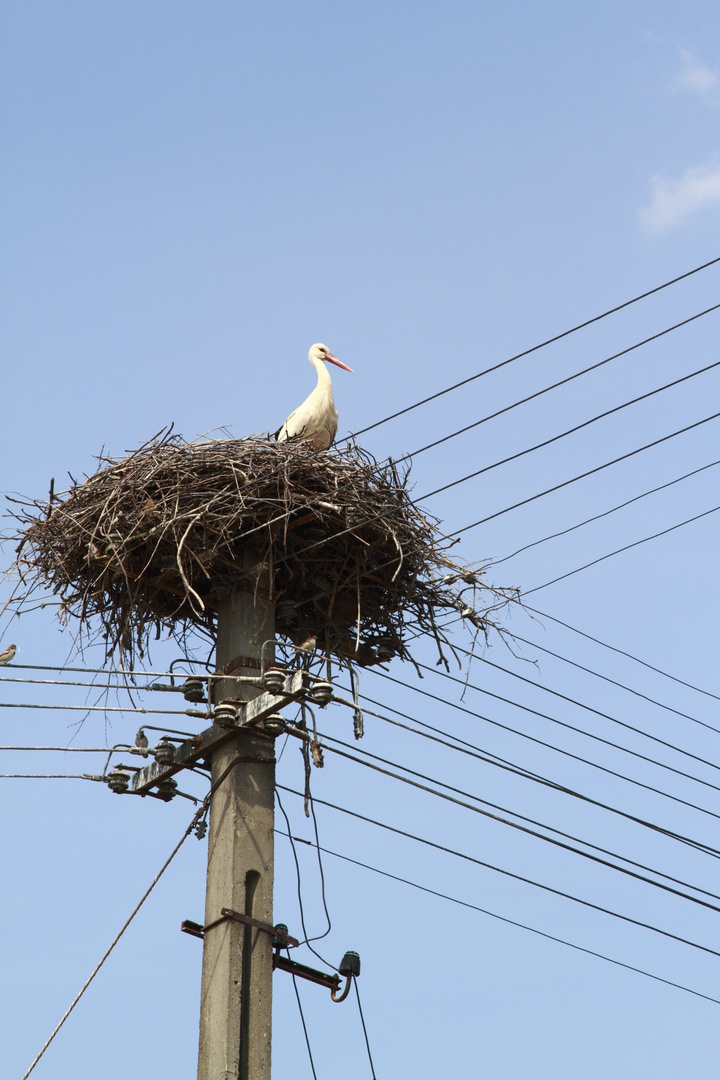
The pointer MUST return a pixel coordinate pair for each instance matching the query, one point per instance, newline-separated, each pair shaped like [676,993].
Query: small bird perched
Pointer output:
[8,654]
[316,420]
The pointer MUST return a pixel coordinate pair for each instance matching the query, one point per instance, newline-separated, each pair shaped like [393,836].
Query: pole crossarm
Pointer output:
[250,714]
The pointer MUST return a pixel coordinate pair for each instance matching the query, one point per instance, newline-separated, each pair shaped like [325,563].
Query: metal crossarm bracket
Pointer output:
[250,714]
[332,982]
[280,940]
[279,934]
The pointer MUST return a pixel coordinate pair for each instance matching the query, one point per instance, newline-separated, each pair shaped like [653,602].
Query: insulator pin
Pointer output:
[274,680]
[194,689]
[167,790]
[320,693]
[118,781]
[164,752]
[225,714]
[274,725]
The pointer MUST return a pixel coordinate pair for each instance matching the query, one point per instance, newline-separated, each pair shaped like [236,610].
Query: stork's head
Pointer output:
[321,352]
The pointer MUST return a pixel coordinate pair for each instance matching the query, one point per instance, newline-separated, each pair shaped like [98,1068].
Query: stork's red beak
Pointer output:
[334,360]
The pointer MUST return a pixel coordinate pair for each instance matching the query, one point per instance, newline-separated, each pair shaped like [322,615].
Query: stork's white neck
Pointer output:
[322,372]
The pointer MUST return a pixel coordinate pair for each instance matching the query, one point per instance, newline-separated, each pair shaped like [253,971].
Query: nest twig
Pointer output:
[152,542]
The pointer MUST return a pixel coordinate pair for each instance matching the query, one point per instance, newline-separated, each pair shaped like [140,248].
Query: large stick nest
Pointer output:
[151,542]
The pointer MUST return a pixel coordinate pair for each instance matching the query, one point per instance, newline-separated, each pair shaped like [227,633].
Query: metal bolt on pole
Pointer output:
[236,992]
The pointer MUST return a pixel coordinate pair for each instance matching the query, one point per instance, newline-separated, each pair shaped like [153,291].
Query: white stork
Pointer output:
[316,420]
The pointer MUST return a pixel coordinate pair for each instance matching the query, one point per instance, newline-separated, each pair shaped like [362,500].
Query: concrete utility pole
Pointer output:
[236,994]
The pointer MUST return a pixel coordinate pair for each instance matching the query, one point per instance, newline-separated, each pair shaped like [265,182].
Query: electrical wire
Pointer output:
[618,551]
[306,937]
[573,430]
[580,704]
[565,724]
[48,776]
[622,652]
[362,1021]
[614,682]
[504,821]
[581,476]
[473,751]
[561,382]
[573,479]
[534,348]
[512,922]
[64,749]
[321,869]
[605,513]
[115,940]
[98,708]
[517,877]
[549,746]
[302,1014]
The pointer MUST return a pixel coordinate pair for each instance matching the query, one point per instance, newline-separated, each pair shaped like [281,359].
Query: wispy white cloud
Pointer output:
[696,76]
[675,200]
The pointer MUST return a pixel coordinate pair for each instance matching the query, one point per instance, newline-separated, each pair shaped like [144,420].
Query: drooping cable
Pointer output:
[307,939]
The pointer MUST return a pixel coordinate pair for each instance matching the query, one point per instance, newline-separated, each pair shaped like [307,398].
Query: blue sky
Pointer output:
[192,195]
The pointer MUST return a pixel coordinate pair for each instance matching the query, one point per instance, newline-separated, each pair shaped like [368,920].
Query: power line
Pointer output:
[523,502]
[364,1027]
[554,386]
[551,746]
[574,429]
[518,877]
[47,776]
[474,751]
[511,922]
[116,939]
[572,480]
[614,682]
[622,652]
[302,1014]
[618,551]
[571,727]
[521,453]
[513,824]
[535,348]
[605,513]
[97,708]
[65,749]
[582,705]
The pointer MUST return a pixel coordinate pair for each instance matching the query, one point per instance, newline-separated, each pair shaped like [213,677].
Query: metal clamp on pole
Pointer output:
[279,933]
